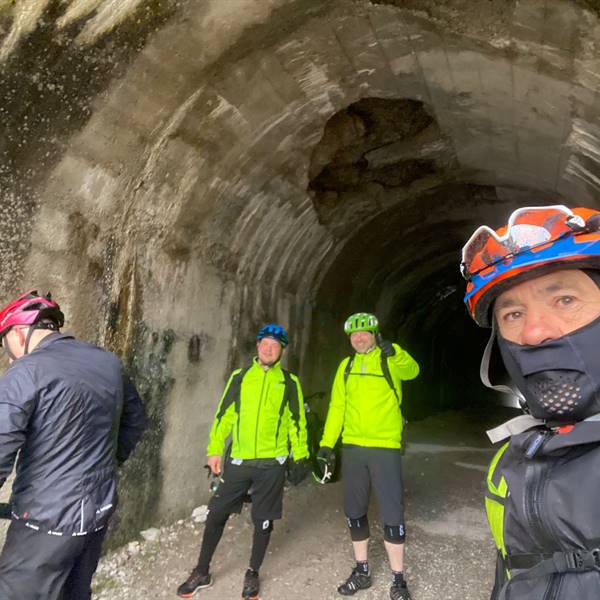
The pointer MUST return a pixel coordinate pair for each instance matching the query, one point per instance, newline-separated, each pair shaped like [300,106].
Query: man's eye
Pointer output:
[512,316]
[565,300]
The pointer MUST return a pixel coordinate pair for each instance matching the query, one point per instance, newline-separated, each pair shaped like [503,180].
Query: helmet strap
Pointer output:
[39,325]
[484,373]
[30,331]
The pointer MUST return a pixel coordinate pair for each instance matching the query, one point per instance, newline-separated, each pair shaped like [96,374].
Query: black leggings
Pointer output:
[266,484]
[260,543]
[215,525]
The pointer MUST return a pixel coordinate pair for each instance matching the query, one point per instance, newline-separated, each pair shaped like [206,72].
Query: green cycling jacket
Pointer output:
[263,411]
[365,406]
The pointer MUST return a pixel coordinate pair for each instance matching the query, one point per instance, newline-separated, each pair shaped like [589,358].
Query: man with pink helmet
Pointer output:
[72,415]
[31,311]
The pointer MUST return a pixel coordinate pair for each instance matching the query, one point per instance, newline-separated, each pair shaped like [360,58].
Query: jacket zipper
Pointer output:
[553,589]
[536,479]
[262,388]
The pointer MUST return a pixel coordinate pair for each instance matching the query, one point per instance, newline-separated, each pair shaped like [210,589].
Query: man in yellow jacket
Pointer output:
[262,408]
[365,409]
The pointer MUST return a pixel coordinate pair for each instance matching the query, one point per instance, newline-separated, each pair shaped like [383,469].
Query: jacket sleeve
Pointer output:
[296,418]
[133,421]
[18,396]
[225,416]
[337,408]
[405,367]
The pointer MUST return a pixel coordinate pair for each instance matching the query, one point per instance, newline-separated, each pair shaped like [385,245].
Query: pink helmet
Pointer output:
[31,309]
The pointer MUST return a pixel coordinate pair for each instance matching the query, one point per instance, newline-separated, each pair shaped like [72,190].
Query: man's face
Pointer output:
[269,351]
[547,307]
[362,341]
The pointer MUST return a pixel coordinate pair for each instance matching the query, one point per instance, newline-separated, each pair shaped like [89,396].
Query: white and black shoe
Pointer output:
[356,582]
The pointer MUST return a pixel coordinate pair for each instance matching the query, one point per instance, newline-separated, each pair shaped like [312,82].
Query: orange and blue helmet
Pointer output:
[272,330]
[535,241]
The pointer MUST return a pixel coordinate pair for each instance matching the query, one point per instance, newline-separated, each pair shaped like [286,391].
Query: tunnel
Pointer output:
[178,173]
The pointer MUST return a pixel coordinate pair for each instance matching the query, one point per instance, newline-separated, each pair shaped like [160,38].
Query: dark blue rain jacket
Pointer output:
[72,415]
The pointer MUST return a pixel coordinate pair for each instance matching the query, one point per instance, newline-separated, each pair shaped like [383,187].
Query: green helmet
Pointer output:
[361,322]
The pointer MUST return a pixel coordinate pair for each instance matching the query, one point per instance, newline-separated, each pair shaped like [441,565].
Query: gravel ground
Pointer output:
[449,551]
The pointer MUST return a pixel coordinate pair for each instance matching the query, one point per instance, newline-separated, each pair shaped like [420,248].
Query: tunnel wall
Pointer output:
[173,212]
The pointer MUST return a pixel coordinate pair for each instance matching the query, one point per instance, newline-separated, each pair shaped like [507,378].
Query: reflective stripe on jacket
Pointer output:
[263,411]
[543,510]
[365,406]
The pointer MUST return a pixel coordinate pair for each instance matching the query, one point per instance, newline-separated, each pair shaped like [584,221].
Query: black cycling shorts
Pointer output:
[264,483]
[364,468]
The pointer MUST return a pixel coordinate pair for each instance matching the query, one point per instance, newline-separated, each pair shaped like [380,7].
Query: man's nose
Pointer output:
[539,327]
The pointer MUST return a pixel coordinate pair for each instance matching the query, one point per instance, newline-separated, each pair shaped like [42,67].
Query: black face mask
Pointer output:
[559,379]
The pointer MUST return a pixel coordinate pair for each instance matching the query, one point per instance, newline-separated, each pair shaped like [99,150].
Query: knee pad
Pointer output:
[359,528]
[264,527]
[394,534]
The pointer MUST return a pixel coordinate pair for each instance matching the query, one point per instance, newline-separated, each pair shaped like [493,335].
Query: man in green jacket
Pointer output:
[365,408]
[262,408]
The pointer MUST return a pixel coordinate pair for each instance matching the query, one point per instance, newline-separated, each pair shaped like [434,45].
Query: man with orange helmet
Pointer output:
[535,282]
[71,414]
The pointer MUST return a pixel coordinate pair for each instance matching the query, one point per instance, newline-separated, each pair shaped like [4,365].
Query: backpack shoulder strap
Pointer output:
[385,369]
[348,368]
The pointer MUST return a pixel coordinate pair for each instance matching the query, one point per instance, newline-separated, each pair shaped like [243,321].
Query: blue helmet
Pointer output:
[272,330]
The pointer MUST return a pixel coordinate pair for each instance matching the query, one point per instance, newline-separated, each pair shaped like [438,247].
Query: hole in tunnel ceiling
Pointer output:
[374,144]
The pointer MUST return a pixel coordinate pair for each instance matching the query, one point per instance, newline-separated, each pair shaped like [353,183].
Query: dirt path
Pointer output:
[449,551]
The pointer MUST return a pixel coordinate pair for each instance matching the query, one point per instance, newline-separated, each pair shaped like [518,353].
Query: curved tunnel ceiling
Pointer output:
[199,167]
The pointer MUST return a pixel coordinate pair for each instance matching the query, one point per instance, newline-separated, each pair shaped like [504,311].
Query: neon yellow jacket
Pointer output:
[262,410]
[365,406]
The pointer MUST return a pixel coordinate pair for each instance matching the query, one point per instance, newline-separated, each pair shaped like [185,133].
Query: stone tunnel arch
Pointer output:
[191,203]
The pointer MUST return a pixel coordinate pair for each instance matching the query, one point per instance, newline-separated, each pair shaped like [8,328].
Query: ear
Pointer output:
[21,335]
